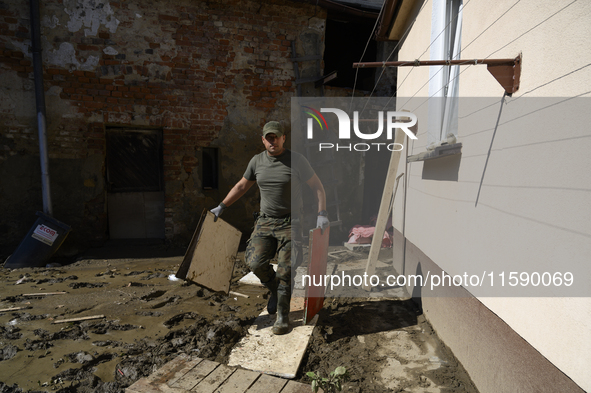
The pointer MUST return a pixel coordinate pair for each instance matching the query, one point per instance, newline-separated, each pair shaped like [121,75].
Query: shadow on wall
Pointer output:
[445,168]
[417,290]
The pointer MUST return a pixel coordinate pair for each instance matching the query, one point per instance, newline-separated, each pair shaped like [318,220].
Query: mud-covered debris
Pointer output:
[10,333]
[59,363]
[170,300]
[179,318]
[108,343]
[23,280]
[136,273]
[76,285]
[228,308]
[136,284]
[83,381]
[155,275]
[25,317]
[75,332]
[111,273]
[152,295]
[104,327]
[217,298]
[41,333]
[8,352]
[55,280]
[80,357]
[149,313]
[9,389]
[12,299]
[132,369]
[35,345]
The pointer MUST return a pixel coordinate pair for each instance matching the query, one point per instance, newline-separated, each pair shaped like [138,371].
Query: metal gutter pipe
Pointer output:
[40,104]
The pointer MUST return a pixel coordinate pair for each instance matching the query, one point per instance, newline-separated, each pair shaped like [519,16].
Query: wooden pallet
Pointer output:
[193,374]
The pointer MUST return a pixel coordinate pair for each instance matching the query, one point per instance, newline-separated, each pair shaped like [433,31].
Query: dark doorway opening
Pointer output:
[345,42]
[135,183]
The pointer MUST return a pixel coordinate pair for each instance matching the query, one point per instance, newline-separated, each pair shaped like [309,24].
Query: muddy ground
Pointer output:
[144,319]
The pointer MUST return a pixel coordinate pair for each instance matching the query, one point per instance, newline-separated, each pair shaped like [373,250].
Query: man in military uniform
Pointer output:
[276,170]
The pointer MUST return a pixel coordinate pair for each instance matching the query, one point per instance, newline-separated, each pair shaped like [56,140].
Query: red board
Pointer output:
[318,255]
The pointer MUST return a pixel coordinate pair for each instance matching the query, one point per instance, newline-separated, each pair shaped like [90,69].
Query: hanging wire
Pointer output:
[544,21]
[425,51]
[391,53]
[489,26]
[444,29]
[529,113]
[365,49]
[464,70]
[527,92]
[552,81]
[394,50]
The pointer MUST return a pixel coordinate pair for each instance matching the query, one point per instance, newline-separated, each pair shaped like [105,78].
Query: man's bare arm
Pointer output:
[316,186]
[237,191]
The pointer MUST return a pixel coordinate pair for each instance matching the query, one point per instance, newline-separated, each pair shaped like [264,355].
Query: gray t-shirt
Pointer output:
[274,175]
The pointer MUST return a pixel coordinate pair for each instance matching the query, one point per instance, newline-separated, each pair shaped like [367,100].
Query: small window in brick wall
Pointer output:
[209,168]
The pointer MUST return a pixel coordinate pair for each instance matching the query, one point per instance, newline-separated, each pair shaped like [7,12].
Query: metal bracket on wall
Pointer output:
[506,71]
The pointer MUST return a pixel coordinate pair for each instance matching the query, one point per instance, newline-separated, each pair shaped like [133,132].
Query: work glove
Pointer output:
[322,222]
[217,211]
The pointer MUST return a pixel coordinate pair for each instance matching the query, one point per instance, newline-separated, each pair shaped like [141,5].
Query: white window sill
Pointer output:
[440,151]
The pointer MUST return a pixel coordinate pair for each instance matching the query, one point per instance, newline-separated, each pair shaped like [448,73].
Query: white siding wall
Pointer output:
[535,199]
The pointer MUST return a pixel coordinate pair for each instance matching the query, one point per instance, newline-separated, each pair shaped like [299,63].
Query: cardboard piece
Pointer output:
[318,256]
[260,350]
[209,260]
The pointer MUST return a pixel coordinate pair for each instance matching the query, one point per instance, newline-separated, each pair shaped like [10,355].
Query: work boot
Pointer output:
[281,325]
[272,287]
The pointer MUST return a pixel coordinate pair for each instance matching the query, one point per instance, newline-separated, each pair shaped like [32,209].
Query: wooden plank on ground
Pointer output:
[79,319]
[170,368]
[238,382]
[384,212]
[318,256]
[260,350]
[43,294]
[297,387]
[213,381]
[179,372]
[143,387]
[14,309]
[209,260]
[195,375]
[239,294]
[169,373]
[267,384]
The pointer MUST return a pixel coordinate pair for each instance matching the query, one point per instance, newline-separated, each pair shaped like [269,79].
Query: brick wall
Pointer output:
[205,73]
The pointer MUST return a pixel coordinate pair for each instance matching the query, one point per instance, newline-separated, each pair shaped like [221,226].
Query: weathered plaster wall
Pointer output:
[205,73]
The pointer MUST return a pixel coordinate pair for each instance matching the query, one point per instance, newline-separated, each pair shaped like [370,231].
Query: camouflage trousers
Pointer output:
[273,236]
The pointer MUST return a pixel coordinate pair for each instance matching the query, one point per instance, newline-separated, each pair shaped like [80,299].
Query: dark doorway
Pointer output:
[135,184]
[345,43]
